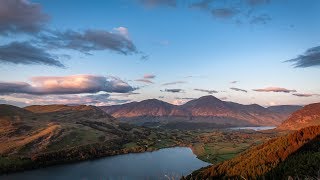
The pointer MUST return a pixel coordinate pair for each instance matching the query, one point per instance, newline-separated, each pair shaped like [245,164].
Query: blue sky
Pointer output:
[245,41]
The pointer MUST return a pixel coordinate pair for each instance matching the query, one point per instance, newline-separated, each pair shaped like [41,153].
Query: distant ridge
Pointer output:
[284,110]
[74,111]
[204,109]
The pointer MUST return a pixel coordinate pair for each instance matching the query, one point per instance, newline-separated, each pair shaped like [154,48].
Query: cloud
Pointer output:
[260,19]
[11,102]
[305,95]
[185,98]
[149,76]
[154,3]
[125,94]
[206,90]
[21,16]
[224,13]
[123,31]
[25,53]
[201,5]
[75,84]
[310,58]
[274,89]
[144,81]
[173,90]
[92,99]
[180,101]
[161,97]
[238,89]
[174,83]
[89,40]
[244,10]
[146,78]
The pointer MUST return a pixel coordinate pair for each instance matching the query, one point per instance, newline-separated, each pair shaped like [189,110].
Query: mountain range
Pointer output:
[207,109]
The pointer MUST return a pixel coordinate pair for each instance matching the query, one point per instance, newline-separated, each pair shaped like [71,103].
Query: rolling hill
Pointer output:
[307,116]
[38,129]
[208,109]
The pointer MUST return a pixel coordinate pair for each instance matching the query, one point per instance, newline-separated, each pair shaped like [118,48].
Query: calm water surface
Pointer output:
[255,128]
[162,164]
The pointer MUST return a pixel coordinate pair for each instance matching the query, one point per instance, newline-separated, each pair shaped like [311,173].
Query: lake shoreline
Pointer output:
[65,170]
[96,151]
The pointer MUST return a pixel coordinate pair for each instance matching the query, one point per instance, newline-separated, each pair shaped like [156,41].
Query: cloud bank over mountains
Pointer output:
[75,84]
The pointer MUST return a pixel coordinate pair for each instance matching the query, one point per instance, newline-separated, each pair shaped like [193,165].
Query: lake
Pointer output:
[259,128]
[162,164]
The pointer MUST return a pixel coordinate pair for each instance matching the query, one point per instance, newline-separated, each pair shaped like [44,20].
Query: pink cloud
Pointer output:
[74,84]
[149,76]
[274,89]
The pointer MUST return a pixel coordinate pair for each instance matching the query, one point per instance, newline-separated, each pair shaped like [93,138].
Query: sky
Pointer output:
[264,52]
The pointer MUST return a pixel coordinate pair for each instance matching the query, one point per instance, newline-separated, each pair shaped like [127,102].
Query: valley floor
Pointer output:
[211,146]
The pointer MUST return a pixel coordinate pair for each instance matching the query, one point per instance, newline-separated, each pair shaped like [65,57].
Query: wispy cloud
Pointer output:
[93,99]
[154,3]
[88,40]
[185,98]
[206,91]
[75,84]
[144,81]
[21,16]
[25,53]
[310,58]
[149,76]
[146,78]
[274,89]
[174,83]
[305,95]
[173,90]
[201,5]
[224,12]
[180,101]
[238,89]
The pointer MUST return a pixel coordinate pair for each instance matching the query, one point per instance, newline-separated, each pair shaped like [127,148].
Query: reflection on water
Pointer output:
[163,164]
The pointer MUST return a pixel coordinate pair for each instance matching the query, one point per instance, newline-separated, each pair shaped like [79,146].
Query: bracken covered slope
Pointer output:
[258,161]
[307,116]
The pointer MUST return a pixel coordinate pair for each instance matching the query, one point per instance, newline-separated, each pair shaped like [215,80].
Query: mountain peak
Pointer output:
[209,97]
